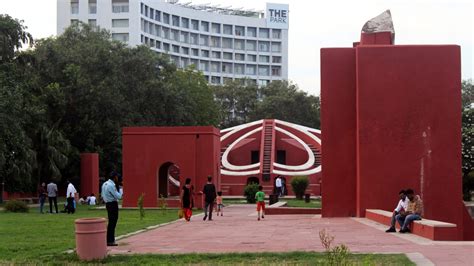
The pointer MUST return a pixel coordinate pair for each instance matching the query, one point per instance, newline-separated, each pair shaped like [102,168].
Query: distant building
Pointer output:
[222,42]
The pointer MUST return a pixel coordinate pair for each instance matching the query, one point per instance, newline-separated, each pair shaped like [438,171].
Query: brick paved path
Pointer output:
[239,231]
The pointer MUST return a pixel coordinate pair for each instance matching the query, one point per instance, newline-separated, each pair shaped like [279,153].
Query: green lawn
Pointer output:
[33,236]
[291,202]
[283,258]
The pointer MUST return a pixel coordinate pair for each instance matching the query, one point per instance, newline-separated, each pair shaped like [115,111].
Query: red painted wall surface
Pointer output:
[89,174]
[195,150]
[338,129]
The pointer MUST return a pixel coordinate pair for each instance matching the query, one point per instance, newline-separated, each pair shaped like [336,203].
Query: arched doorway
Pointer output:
[168,180]
[253,179]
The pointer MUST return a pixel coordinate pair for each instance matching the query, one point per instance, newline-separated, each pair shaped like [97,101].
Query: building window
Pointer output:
[252,32]
[227,56]
[276,33]
[194,24]
[240,57]
[123,23]
[123,37]
[184,37]
[263,33]
[227,29]
[157,30]
[175,35]
[216,80]
[227,43]
[166,32]
[251,45]
[195,52]
[216,28]
[166,47]
[264,58]
[157,15]
[276,47]
[239,30]
[215,67]
[216,54]
[184,50]
[252,58]
[239,69]
[276,71]
[204,53]
[204,40]
[194,39]
[74,6]
[215,41]
[166,18]
[251,70]
[239,44]
[263,71]
[204,65]
[74,21]
[93,23]
[227,68]
[195,62]
[263,46]
[175,49]
[185,23]
[263,82]
[92,6]
[205,26]
[276,59]
[158,45]
[121,6]
[175,20]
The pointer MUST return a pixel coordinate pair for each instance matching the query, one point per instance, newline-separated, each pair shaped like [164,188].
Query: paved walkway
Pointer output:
[239,231]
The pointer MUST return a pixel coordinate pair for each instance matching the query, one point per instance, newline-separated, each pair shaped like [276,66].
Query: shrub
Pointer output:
[337,255]
[299,184]
[16,206]
[163,205]
[249,192]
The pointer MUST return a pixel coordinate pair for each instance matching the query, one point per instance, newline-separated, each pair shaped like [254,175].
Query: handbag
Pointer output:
[180,213]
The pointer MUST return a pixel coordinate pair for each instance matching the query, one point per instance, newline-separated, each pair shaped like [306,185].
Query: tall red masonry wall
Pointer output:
[407,121]
[89,174]
[195,150]
[338,132]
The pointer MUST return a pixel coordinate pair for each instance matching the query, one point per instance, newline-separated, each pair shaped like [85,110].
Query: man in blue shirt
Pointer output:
[111,196]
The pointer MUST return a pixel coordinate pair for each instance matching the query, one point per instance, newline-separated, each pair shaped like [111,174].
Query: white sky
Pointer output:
[316,24]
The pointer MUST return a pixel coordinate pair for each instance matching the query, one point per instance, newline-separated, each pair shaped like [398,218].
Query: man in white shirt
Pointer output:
[92,199]
[278,185]
[400,209]
[70,194]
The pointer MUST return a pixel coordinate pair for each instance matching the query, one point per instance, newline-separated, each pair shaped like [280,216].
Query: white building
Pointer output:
[223,43]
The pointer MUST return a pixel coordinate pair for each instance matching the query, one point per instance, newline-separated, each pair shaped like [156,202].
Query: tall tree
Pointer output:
[468,138]
[12,35]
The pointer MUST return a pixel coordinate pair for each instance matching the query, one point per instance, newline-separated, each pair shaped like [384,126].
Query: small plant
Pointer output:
[335,255]
[163,205]
[140,206]
[16,206]
[299,184]
[249,192]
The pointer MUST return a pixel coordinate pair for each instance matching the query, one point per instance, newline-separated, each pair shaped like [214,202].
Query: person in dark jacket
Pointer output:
[210,195]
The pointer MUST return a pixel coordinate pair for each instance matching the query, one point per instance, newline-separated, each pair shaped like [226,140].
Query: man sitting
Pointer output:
[400,209]
[414,211]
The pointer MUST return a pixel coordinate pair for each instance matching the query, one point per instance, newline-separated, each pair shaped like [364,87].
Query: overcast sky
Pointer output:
[317,24]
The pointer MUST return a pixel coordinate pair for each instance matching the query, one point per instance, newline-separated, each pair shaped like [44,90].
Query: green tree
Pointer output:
[285,101]
[468,138]
[12,36]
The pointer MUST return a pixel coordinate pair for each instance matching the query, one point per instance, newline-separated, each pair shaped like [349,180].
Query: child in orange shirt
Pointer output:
[220,206]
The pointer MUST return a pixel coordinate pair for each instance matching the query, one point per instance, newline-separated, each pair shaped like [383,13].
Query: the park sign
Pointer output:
[277,16]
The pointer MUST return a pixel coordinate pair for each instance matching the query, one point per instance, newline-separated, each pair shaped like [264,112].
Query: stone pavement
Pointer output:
[239,231]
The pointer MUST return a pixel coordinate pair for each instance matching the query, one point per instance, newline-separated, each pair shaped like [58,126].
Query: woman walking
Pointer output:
[187,199]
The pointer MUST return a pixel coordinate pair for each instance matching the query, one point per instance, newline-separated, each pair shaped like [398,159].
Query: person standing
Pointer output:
[52,189]
[210,194]
[70,196]
[260,198]
[111,196]
[42,196]
[278,185]
[187,200]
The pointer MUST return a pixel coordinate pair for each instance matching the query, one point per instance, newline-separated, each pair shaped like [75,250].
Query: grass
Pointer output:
[283,258]
[31,236]
[291,202]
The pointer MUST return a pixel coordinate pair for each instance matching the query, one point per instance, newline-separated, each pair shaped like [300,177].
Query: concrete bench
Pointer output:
[431,229]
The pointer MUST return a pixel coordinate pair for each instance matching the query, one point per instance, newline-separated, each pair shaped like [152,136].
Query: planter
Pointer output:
[91,240]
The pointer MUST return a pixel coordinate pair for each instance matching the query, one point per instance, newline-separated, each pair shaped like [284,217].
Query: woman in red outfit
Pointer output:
[187,199]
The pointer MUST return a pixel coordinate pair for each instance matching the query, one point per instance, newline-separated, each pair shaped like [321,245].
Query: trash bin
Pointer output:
[91,239]
[273,199]
[307,198]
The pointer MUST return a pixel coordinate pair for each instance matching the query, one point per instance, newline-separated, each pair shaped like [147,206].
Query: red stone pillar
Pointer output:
[89,174]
